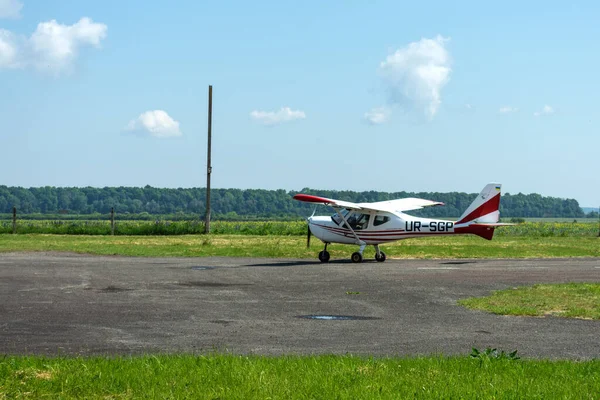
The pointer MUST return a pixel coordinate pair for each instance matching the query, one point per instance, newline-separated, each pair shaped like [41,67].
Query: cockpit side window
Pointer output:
[359,221]
[380,220]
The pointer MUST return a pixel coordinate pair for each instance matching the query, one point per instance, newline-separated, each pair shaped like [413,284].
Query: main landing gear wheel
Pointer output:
[324,256]
[356,257]
[381,257]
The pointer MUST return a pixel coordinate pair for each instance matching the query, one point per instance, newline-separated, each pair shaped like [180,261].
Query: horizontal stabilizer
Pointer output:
[481,229]
[492,225]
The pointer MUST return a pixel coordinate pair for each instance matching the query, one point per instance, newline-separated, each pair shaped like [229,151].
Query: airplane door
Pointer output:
[359,221]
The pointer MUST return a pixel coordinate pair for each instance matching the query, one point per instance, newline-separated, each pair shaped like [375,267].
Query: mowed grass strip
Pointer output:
[571,300]
[272,246]
[293,377]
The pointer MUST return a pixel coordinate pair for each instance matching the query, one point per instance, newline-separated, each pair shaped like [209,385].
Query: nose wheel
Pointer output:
[324,255]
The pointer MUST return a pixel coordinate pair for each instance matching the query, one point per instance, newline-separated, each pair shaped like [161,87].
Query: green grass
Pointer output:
[295,246]
[295,377]
[571,300]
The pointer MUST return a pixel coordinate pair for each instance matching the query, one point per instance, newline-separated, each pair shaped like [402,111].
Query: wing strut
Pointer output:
[358,241]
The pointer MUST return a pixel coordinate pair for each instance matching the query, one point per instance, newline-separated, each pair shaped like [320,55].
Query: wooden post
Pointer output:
[14,220]
[209,166]
[112,221]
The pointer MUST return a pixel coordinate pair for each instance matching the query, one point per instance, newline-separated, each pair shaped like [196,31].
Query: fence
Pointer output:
[193,226]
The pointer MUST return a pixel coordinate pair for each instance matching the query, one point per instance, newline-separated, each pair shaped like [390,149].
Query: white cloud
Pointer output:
[8,50]
[56,45]
[10,8]
[546,110]
[157,123]
[52,47]
[418,72]
[507,110]
[285,114]
[378,115]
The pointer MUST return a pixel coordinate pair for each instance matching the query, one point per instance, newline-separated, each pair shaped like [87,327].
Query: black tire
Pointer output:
[356,257]
[381,257]
[324,256]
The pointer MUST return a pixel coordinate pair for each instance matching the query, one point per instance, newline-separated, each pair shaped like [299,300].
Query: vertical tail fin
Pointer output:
[485,208]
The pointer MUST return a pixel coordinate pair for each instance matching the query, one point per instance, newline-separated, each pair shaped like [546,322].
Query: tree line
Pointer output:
[252,203]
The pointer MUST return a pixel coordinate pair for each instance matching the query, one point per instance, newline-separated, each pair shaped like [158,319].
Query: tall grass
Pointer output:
[549,229]
[285,228]
[280,228]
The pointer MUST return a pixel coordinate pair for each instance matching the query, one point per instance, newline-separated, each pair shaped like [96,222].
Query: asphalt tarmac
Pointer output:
[82,305]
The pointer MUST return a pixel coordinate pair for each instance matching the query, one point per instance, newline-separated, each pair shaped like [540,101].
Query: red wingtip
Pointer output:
[310,198]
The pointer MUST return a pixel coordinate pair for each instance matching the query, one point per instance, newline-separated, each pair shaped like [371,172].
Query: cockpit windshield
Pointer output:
[337,219]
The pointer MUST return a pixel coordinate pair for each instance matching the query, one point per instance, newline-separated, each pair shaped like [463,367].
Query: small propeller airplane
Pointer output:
[365,224]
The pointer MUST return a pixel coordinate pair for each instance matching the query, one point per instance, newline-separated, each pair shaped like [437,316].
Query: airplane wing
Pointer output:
[328,202]
[401,205]
[391,206]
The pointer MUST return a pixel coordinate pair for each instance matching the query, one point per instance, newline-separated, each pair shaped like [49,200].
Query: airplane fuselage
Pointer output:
[380,228]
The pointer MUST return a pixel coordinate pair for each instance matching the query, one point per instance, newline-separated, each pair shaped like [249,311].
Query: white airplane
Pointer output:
[365,224]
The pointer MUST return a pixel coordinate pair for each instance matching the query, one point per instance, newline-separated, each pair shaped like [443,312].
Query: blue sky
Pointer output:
[373,95]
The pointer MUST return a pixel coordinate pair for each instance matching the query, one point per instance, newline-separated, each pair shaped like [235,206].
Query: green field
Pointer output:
[296,377]
[567,220]
[292,228]
[295,246]
[570,300]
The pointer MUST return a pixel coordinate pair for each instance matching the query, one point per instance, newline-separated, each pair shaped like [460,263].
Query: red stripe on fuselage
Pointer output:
[379,236]
[347,231]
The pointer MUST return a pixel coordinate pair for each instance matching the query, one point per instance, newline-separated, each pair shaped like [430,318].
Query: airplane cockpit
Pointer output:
[356,220]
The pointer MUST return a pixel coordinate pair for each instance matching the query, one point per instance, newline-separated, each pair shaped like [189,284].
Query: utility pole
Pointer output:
[208,164]
[112,221]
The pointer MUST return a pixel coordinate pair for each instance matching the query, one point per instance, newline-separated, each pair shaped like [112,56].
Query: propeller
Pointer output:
[308,234]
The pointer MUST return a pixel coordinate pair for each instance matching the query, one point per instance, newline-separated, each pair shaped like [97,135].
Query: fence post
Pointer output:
[112,221]
[14,220]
